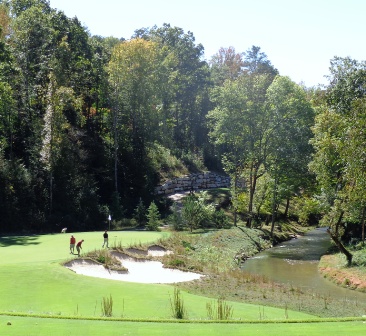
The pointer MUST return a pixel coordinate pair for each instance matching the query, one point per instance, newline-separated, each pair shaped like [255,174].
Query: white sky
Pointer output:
[300,37]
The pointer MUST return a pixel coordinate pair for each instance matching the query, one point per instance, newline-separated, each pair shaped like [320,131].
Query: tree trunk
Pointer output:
[253,184]
[235,182]
[287,207]
[274,206]
[341,247]
[51,192]
[115,138]
[363,225]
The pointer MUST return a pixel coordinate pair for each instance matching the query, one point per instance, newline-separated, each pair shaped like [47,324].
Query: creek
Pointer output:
[296,262]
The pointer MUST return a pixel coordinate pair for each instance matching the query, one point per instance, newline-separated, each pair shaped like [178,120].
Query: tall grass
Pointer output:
[107,306]
[221,311]
[177,305]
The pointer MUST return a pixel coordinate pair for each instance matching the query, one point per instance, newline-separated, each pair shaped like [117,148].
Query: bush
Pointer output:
[220,219]
[359,257]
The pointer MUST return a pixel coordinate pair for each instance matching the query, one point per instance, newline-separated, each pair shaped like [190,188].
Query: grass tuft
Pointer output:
[107,306]
[177,305]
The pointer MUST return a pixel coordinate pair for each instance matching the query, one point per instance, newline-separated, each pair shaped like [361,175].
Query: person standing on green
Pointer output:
[78,246]
[105,236]
[72,244]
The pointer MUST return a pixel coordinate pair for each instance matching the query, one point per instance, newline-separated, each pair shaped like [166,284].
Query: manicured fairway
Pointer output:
[58,327]
[33,281]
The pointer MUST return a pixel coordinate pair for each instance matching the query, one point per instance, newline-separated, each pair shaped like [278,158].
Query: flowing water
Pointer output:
[296,262]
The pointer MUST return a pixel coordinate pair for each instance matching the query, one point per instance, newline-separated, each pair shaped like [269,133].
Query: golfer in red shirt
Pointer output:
[72,244]
[78,246]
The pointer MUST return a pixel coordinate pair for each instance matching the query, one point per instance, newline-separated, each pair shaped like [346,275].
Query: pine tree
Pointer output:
[153,217]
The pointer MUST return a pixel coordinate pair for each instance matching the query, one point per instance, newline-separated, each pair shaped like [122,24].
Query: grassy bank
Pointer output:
[219,253]
[334,268]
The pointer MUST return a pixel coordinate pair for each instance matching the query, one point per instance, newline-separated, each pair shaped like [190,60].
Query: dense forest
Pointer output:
[89,125]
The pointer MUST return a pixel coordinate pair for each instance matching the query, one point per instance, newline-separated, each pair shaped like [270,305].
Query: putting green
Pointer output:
[55,247]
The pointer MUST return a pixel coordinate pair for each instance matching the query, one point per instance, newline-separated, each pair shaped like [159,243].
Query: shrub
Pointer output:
[220,219]
[359,258]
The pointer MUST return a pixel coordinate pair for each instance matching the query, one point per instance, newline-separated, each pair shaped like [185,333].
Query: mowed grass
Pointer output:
[33,281]
[45,327]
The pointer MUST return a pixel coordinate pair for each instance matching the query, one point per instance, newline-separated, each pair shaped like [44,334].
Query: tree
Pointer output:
[140,213]
[184,95]
[7,120]
[289,151]
[257,62]
[338,160]
[5,20]
[153,217]
[226,64]
[133,73]
[20,6]
[240,126]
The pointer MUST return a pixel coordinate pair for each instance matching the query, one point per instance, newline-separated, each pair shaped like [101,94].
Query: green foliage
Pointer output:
[175,218]
[220,219]
[359,256]
[195,211]
[7,120]
[153,217]
[226,64]
[176,263]
[140,213]
[116,207]
[165,162]
[339,159]
[307,209]
[185,81]
[193,161]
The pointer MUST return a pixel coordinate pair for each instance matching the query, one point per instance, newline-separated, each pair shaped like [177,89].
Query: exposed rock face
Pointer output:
[193,182]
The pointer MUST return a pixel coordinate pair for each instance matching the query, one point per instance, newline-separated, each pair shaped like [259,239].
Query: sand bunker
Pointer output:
[139,270]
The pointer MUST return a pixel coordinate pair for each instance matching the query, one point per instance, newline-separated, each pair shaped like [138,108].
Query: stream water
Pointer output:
[296,262]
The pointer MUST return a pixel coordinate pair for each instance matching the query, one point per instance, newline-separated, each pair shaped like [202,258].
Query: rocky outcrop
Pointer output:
[193,182]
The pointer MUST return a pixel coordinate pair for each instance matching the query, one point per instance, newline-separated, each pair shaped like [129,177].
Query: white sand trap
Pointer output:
[157,251]
[145,271]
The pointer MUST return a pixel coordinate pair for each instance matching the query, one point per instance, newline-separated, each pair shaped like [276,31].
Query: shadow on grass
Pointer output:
[18,240]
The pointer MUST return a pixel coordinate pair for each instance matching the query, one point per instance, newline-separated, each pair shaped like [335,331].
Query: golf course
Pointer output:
[39,296]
